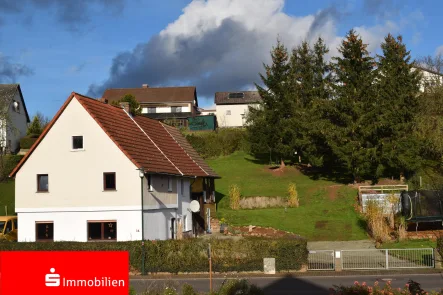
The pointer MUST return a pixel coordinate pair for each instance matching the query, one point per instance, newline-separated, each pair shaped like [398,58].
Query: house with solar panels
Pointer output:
[232,107]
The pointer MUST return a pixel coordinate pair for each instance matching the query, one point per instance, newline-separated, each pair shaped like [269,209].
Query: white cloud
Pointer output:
[439,50]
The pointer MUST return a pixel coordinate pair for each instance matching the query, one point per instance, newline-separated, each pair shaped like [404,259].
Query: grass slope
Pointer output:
[326,211]
[7,190]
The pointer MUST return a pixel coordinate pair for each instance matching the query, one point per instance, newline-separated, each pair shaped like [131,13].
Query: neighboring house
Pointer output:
[161,103]
[82,180]
[430,77]
[207,112]
[232,107]
[14,118]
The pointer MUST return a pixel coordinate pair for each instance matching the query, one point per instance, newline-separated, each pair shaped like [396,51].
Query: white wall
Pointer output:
[184,200]
[208,112]
[158,223]
[166,109]
[72,225]
[76,177]
[235,118]
[19,124]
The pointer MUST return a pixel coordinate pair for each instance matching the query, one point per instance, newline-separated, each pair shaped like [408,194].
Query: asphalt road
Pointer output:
[298,285]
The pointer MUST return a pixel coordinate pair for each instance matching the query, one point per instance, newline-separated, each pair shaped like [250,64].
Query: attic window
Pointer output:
[236,95]
[16,106]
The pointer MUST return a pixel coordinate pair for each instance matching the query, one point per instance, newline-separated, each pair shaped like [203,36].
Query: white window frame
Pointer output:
[72,143]
[150,187]
[169,184]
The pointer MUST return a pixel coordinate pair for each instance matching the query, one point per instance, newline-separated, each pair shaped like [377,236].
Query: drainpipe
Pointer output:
[142,176]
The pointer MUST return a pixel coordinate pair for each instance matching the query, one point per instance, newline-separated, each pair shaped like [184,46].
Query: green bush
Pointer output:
[190,255]
[27,141]
[8,163]
[218,143]
[411,288]
[440,245]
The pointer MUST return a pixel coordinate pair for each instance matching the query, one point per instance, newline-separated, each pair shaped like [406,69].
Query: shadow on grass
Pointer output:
[362,224]
[316,173]
[218,197]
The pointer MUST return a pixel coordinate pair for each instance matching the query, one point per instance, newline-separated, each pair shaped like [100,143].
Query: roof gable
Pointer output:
[146,142]
[7,94]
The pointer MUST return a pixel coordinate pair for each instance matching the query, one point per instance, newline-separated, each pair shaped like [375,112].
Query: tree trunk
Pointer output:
[282,164]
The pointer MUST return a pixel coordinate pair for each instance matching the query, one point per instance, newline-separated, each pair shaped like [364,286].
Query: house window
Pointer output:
[150,183]
[77,142]
[152,110]
[42,183]
[185,223]
[16,106]
[109,181]
[228,112]
[169,184]
[102,230]
[44,231]
[176,109]
[182,187]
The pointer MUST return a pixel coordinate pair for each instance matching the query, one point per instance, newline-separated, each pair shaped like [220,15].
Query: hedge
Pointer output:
[27,141]
[8,164]
[440,245]
[190,255]
[222,142]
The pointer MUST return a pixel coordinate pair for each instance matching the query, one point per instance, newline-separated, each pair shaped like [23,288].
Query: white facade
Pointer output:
[162,109]
[17,127]
[207,112]
[76,192]
[232,115]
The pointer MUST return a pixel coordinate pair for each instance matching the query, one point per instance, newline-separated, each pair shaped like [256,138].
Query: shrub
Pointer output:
[440,244]
[239,287]
[376,221]
[412,288]
[262,202]
[190,255]
[293,196]
[7,164]
[27,141]
[218,143]
[234,197]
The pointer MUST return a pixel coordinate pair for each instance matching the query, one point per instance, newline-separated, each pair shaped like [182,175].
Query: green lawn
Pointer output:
[325,212]
[7,190]
[410,244]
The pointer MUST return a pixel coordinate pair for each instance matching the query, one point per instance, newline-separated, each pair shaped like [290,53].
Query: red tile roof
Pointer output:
[154,94]
[156,147]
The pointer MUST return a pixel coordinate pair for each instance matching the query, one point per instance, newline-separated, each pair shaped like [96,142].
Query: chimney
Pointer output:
[105,100]
[125,106]
[145,86]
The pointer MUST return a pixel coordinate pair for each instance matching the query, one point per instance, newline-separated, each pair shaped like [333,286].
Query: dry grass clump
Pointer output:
[293,195]
[234,197]
[262,202]
[376,220]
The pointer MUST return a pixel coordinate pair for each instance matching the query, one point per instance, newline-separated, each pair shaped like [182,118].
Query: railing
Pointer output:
[387,258]
[321,260]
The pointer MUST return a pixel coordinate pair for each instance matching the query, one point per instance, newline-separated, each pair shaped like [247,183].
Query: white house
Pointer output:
[14,117]
[429,77]
[232,107]
[84,178]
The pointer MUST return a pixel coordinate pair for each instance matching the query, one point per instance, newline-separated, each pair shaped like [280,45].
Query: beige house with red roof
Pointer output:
[84,178]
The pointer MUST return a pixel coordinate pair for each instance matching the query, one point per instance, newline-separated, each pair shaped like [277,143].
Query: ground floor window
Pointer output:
[102,230]
[44,231]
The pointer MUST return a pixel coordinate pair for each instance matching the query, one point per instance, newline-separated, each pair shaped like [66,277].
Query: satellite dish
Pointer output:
[194,206]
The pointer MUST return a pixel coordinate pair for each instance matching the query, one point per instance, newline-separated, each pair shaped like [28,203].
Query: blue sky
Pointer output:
[54,47]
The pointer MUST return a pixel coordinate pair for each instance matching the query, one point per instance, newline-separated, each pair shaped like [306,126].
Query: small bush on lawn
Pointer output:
[190,255]
[293,195]
[412,288]
[234,197]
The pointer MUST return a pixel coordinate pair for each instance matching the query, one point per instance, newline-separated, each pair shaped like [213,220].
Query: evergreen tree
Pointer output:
[268,127]
[348,134]
[35,127]
[397,105]
[134,105]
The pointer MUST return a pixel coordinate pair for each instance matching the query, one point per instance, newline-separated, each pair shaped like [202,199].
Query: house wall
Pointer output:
[160,197]
[76,177]
[72,225]
[235,118]
[19,123]
[161,108]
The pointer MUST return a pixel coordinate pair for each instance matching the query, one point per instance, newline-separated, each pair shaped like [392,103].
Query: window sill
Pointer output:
[109,190]
[102,241]
[42,192]
[77,150]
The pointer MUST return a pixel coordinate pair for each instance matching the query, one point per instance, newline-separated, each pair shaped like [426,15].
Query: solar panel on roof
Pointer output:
[236,95]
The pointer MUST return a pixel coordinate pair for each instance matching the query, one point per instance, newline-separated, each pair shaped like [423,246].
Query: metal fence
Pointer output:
[321,260]
[387,258]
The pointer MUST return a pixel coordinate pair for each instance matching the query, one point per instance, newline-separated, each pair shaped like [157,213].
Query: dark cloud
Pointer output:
[73,14]
[9,71]
[226,58]
[382,8]
[321,19]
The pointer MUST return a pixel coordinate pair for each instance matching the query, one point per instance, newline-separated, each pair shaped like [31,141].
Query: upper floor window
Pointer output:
[42,183]
[176,109]
[77,142]
[16,106]
[109,181]
[169,184]
[152,110]
[150,188]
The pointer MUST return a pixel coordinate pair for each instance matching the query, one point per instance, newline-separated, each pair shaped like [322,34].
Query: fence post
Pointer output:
[338,262]
[387,259]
